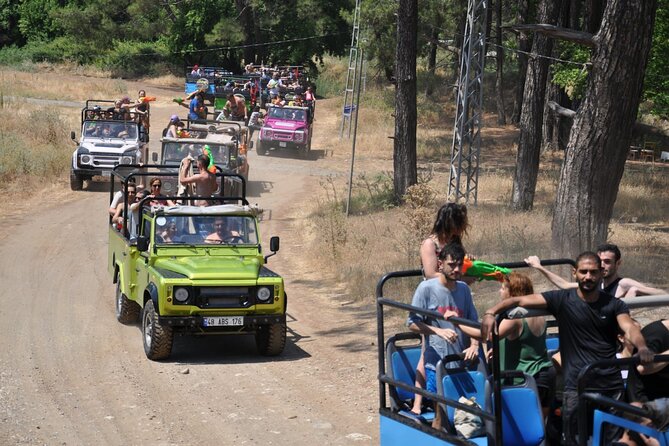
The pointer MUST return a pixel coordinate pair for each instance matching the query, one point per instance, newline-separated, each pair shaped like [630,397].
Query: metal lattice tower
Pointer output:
[352,81]
[464,176]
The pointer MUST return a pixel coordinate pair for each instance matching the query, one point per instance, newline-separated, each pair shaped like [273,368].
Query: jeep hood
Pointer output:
[108,145]
[277,124]
[212,267]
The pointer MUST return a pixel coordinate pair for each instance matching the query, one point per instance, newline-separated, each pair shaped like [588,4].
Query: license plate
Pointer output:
[106,173]
[282,144]
[222,321]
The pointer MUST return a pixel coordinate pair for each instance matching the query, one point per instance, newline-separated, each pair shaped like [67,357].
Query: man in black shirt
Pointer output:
[589,321]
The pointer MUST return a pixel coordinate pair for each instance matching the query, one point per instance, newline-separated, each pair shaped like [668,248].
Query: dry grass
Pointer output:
[37,84]
[364,246]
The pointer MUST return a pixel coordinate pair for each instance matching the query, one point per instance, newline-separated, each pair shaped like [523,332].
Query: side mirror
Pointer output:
[73,136]
[273,246]
[154,157]
[142,243]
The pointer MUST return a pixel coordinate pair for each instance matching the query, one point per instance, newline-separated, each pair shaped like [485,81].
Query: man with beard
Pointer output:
[444,293]
[611,284]
[589,321]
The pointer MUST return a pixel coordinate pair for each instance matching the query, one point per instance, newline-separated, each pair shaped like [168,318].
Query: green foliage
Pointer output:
[134,58]
[656,83]
[568,76]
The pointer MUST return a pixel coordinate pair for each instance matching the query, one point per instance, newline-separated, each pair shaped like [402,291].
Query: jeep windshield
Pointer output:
[287,114]
[206,230]
[110,129]
[174,152]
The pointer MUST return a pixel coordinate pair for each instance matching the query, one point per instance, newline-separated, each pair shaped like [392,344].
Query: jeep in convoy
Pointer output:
[286,128]
[107,140]
[194,270]
[227,141]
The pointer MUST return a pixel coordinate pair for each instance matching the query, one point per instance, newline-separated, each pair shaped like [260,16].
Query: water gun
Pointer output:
[178,100]
[211,168]
[483,271]
[146,99]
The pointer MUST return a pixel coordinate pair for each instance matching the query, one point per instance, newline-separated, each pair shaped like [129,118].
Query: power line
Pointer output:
[250,45]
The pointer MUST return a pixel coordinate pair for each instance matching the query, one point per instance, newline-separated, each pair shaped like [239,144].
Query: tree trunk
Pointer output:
[602,130]
[404,153]
[247,22]
[531,117]
[524,44]
[499,78]
[594,9]
[431,61]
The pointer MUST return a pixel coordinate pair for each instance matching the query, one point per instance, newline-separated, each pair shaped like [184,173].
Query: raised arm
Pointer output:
[631,288]
[534,262]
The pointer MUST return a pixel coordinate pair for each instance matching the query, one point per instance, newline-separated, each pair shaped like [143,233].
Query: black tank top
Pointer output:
[612,288]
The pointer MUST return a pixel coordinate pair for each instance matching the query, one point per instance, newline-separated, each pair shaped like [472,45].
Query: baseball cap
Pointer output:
[174,118]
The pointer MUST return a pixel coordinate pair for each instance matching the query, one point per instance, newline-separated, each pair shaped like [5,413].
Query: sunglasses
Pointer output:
[156,185]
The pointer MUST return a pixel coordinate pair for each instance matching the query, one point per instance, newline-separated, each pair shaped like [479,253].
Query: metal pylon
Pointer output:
[354,65]
[464,176]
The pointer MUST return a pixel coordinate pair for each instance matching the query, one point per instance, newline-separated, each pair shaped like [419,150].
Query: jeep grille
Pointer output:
[224,297]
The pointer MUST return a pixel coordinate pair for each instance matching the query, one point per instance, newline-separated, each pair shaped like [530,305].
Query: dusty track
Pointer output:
[71,375]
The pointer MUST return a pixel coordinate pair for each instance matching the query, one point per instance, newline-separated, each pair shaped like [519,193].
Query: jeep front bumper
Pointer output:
[195,323]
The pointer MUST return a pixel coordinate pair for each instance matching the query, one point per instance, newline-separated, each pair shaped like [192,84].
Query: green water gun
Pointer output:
[483,270]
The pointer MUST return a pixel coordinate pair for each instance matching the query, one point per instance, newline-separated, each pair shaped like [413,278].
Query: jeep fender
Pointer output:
[151,292]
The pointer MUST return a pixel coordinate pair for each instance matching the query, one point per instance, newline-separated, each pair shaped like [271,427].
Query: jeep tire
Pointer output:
[271,339]
[127,311]
[261,149]
[157,337]
[76,181]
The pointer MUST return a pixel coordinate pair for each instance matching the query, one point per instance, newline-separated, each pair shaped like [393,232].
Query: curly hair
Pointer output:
[519,284]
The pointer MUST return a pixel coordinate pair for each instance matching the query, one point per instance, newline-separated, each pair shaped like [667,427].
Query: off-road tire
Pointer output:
[76,181]
[157,338]
[260,149]
[127,311]
[271,339]
[303,151]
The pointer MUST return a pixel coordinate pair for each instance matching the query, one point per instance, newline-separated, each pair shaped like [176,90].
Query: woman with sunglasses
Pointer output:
[156,185]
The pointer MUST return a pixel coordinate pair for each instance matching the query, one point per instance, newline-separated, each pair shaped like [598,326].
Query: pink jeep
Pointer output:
[286,127]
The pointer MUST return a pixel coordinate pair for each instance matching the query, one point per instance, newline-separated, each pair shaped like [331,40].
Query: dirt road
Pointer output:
[71,375]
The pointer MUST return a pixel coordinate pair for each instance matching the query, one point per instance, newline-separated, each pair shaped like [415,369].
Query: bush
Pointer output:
[135,59]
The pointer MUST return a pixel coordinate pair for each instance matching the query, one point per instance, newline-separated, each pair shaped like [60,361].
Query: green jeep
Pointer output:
[193,269]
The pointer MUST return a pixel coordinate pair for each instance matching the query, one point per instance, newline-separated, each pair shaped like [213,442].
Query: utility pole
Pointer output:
[352,80]
[466,148]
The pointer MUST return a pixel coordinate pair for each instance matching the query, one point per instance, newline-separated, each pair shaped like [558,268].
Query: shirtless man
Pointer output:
[204,180]
[223,233]
[611,283]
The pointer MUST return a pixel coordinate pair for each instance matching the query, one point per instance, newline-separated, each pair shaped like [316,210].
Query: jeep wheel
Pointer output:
[303,151]
[271,338]
[127,311]
[262,151]
[157,337]
[76,181]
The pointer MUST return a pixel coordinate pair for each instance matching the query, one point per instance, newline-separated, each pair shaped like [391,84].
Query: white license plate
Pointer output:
[106,173]
[222,321]
[282,144]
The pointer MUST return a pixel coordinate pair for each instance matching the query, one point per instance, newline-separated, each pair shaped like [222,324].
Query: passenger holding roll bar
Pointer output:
[588,321]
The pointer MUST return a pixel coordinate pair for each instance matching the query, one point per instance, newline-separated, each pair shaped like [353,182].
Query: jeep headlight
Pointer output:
[266,134]
[299,136]
[181,295]
[264,294]
[85,159]
[127,160]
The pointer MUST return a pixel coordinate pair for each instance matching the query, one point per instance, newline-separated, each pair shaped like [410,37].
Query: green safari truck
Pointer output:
[193,270]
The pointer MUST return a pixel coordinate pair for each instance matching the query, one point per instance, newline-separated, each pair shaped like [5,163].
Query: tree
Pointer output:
[602,129]
[404,153]
[499,77]
[531,117]
[524,45]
